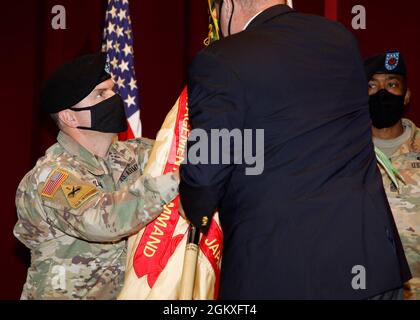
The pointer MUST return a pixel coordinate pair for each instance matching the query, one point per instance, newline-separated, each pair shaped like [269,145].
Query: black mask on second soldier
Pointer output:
[386,109]
[107,116]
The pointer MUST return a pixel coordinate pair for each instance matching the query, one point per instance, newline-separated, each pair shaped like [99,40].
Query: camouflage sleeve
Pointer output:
[143,147]
[86,212]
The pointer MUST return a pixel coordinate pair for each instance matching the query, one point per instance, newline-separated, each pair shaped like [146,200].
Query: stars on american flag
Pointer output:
[130,101]
[118,43]
[111,28]
[127,50]
[128,32]
[124,66]
[122,15]
[119,32]
[120,83]
[113,12]
[133,84]
[109,44]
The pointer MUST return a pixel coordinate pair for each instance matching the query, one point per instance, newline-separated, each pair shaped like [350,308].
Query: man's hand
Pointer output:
[176,174]
[180,208]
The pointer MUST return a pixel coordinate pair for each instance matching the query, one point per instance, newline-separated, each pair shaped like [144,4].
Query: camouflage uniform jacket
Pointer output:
[75,211]
[405,203]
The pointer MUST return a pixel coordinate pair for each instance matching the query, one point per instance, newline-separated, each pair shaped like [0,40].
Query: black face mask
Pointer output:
[386,109]
[107,116]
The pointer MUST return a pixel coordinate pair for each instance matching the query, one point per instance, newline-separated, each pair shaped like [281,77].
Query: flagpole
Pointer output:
[190,264]
[193,241]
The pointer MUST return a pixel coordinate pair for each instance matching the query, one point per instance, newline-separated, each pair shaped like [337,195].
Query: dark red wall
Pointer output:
[167,35]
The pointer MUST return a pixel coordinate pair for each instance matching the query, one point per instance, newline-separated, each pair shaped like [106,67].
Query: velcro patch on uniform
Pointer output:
[54,182]
[77,195]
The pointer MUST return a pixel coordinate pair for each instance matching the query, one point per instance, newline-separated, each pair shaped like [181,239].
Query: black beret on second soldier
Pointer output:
[72,82]
[391,62]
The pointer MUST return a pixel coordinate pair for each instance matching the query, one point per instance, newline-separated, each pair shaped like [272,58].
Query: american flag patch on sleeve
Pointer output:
[54,182]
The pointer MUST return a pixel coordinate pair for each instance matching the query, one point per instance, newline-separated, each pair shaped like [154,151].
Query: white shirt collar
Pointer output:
[249,22]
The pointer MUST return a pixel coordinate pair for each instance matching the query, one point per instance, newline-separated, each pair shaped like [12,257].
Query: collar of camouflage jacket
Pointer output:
[116,161]
[412,144]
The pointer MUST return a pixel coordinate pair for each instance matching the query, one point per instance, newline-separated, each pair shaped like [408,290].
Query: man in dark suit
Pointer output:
[315,222]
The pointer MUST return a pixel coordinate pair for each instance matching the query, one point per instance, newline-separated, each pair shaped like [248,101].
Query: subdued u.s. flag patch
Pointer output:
[54,182]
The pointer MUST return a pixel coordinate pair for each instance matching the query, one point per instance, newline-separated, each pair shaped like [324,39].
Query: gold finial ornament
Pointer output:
[214,31]
[204,222]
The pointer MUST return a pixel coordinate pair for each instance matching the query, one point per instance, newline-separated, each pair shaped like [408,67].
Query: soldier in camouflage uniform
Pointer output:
[399,139]
[76,208]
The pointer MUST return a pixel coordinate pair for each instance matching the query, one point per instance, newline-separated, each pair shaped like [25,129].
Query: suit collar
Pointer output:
[269,14]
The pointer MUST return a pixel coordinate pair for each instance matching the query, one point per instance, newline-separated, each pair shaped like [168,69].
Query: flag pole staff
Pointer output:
[190,264]
[193,240]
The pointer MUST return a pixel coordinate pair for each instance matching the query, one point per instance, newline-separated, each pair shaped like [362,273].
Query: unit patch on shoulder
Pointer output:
[77,195]
[54,182]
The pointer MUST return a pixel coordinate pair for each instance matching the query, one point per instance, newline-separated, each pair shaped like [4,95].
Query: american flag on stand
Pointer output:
[118,44]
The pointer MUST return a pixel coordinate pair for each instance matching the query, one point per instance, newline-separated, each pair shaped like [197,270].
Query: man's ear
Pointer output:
[68,118]
[407,97]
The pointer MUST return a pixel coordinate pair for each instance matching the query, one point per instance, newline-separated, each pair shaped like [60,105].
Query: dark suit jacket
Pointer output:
[319,208]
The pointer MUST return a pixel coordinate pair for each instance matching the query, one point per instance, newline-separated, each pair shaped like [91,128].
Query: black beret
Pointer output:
[72,82]
[391,62]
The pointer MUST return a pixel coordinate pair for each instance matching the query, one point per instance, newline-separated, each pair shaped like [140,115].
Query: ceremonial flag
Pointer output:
[155,256]
[118,44]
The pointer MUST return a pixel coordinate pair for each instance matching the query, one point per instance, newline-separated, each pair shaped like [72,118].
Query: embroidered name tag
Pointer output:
[128,172]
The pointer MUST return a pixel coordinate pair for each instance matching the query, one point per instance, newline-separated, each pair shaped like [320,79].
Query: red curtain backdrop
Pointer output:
[167,35]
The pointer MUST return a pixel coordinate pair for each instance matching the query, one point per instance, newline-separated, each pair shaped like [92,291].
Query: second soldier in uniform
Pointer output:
[399,139]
